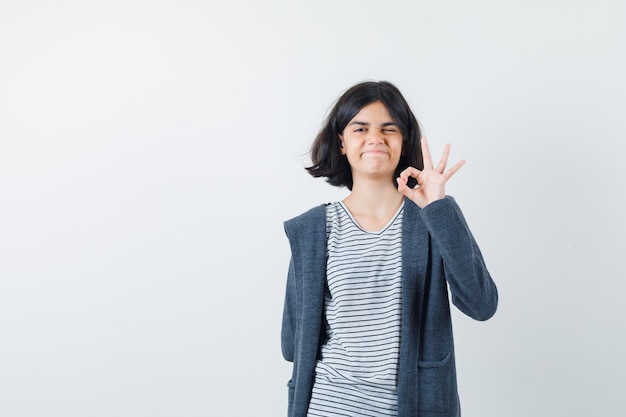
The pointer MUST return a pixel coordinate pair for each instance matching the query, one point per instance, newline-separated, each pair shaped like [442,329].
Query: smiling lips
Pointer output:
[375,152]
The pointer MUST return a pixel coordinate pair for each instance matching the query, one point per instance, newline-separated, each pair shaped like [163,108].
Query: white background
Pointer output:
[150,151]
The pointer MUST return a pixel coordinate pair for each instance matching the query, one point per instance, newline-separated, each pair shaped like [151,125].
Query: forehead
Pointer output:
[373,113]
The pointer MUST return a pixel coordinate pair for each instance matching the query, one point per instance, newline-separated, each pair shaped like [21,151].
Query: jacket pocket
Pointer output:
[435,364]
[437,385]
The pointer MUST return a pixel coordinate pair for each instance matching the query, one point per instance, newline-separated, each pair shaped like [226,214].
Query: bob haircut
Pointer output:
[327,160]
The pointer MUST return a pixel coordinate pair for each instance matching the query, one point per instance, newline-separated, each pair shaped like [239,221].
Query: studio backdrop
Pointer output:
[150,152]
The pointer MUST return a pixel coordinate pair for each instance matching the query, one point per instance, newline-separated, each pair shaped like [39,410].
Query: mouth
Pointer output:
[374,153]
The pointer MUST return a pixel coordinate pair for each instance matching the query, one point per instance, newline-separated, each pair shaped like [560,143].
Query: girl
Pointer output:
[366,320]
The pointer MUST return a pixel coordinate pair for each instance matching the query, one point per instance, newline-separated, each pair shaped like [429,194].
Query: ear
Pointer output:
[341,147]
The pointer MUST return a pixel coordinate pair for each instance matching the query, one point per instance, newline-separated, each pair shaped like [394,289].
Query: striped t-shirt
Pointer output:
[358,370]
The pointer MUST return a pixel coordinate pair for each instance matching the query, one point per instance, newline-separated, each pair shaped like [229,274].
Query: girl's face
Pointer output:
[372,142]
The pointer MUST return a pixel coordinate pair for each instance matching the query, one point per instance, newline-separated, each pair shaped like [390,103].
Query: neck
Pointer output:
[373,204]
[374,197]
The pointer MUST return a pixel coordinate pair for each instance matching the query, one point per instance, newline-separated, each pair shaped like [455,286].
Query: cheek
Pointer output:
[400,147]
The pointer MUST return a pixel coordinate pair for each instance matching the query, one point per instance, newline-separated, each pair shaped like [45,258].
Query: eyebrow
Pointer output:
[356,122]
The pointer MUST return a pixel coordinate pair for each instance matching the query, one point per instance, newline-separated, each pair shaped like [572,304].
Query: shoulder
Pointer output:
[310,219]
[307,233]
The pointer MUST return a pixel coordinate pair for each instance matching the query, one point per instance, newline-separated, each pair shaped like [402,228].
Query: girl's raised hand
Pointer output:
[431,181]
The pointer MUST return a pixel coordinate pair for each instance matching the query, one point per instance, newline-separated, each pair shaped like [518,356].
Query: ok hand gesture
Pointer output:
[431,180]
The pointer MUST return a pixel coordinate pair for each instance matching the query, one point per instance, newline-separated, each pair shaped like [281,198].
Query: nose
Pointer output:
[375,135]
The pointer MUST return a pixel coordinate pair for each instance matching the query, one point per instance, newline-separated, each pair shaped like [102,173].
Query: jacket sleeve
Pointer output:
[288,330]
[472,288]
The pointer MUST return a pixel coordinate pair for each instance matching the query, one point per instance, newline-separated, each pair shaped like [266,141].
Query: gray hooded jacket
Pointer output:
[438,252]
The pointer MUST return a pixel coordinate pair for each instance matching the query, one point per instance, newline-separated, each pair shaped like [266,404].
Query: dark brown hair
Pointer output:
[327,160]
